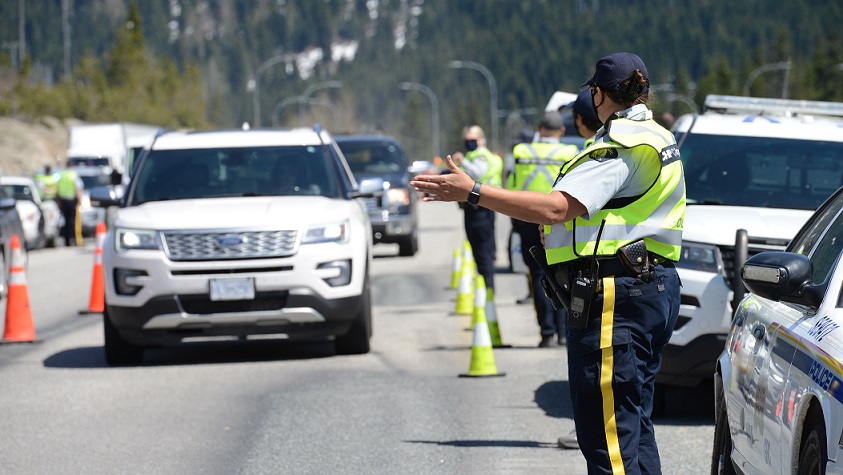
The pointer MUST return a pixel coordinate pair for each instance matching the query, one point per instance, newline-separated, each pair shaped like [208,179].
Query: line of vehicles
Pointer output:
[249,233]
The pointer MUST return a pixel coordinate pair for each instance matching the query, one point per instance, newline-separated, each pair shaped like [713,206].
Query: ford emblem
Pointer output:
[231,241]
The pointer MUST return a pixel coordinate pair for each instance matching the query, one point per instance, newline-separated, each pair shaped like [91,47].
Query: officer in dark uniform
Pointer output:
[613,229]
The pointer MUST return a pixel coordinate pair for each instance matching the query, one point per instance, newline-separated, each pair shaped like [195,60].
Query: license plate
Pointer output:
[232,289]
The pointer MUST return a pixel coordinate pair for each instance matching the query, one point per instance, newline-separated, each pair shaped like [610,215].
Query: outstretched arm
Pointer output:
[541,208]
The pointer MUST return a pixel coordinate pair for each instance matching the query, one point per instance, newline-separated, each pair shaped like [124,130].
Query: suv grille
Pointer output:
[199,246]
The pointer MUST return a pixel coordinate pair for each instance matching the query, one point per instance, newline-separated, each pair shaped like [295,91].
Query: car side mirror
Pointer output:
[369,188]
[782,277]
[423,167]
[105,196]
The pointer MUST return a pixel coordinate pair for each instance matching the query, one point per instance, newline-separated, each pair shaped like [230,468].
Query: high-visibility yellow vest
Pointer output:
[67,184]
[537,165]
[494,173]
[657,216]
[47,185]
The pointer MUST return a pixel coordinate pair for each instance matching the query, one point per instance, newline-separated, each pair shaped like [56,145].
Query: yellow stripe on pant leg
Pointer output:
[607,372]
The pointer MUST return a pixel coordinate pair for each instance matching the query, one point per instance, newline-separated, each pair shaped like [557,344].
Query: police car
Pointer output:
[755,170]
[779,380]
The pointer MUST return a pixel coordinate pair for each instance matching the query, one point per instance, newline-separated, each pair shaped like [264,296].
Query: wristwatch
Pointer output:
[474,196]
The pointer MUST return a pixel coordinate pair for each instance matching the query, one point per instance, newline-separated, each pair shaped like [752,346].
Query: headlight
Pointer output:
[129,239]
[701,257]
[337,232]
[398,196]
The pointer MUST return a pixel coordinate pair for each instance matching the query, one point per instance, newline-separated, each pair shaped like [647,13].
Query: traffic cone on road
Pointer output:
[492,319]
[19,325]
[479,312]
[97,301]
[465,292]
[456,266]
[482,357]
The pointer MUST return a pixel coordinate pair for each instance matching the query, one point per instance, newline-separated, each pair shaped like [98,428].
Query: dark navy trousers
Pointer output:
[480,231]
[612,366]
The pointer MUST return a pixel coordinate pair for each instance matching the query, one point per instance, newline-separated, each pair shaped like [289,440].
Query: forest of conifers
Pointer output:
[208,63]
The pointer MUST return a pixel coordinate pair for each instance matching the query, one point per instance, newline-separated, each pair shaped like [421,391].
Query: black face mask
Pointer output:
[594,106]
[471,145]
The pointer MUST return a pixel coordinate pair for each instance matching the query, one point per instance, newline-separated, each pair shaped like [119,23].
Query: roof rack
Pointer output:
[765,106]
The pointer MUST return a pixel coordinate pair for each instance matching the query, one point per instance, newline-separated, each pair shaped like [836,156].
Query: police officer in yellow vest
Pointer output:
[613,229]
[46,183]
[68,191]
[536,166]
[484,166]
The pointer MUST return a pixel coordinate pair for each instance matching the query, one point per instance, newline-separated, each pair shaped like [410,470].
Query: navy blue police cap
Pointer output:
[614,69]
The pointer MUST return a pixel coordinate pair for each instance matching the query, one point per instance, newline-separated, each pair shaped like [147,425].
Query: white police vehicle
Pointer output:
[237,233]
[755,170]
[779,381]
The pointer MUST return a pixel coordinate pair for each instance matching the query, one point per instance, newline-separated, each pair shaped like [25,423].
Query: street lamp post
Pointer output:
[785,65]
[254,85]
[493,92]
[313,88]
[434,110]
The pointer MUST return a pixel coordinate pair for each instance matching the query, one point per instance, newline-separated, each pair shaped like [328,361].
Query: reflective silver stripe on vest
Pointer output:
[542,163]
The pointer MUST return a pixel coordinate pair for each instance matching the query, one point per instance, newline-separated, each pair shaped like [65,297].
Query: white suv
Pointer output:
[237,233]
[755,170]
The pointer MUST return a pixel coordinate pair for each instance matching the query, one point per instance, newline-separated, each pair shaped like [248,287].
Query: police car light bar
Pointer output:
[760,105]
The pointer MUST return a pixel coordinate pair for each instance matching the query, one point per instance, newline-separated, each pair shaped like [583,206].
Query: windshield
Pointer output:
[88,161]
[760,172]
[18,192]
[93,181]
[374,157]
[254,171]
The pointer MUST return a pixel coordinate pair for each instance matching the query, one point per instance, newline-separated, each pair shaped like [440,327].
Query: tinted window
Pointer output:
[822,239]
[259,171]
[18,192]
[374,157]
[761,172]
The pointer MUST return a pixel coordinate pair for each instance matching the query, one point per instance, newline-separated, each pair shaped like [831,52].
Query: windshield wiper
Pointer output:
[707,201]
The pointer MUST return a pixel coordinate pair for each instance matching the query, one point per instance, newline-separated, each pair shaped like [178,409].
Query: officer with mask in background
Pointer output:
[613,230]
[484,166]
[536,167]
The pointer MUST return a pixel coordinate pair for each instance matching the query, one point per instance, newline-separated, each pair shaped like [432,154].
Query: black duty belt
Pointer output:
[612,265]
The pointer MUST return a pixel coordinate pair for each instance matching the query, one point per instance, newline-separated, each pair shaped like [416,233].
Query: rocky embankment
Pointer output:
[25,147]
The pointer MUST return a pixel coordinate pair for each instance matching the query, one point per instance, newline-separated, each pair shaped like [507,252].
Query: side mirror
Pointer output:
[782,277]
[369,188]
[116,178]
[105,196]
[423,167]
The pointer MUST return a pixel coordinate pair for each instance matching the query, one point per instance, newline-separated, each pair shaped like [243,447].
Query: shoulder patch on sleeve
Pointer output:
[603,154]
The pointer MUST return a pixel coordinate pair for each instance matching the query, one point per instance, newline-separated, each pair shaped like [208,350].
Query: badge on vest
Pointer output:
[603,154]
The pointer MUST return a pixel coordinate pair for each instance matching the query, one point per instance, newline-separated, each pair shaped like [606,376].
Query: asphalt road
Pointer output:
[271,407]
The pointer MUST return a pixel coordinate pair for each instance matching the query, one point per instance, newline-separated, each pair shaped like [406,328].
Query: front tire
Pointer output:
[721,455]
[357,340]
[812,454]
[409,245]
[119,352]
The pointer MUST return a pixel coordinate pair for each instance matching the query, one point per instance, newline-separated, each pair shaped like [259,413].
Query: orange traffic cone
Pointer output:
[97,301]
[19,325]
